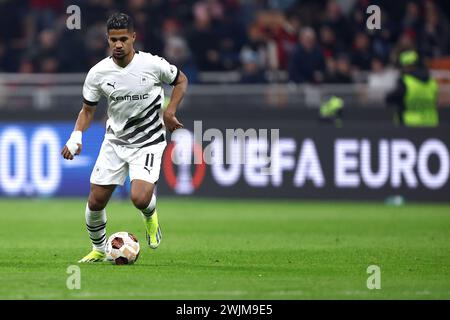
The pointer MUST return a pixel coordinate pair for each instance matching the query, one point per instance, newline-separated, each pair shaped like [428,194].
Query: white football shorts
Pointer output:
[115,163]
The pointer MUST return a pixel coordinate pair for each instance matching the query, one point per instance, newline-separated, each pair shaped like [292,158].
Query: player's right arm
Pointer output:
[74,144]
[91,95]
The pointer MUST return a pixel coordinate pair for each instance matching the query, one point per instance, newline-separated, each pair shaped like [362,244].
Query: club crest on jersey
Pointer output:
[144,81]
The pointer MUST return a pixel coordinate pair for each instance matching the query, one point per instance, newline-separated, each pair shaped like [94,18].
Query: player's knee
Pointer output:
[96,204]
[141,200]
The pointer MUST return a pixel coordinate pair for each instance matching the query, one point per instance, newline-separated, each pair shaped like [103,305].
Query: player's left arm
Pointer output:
[179,90]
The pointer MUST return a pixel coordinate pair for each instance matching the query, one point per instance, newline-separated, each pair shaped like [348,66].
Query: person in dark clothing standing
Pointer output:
[307,63]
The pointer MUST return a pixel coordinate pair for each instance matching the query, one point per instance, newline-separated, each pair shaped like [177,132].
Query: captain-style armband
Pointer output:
[73,142]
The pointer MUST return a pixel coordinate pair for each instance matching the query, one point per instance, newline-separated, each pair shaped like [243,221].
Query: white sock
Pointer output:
[96,226]
[147,212]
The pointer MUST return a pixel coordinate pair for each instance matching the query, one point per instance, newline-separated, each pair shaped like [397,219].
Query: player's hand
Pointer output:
[171,121]
[66,153]
[73,146]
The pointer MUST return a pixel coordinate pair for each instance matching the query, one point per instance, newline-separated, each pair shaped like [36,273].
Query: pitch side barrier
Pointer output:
[309,162]
[264,159]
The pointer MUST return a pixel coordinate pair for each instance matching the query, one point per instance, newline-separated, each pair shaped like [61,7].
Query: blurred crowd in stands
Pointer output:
[312,41]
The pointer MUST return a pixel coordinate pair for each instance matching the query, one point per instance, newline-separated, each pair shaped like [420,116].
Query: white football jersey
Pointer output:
[135,97]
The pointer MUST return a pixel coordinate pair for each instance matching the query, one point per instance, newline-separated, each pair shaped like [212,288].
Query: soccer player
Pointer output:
[135,135]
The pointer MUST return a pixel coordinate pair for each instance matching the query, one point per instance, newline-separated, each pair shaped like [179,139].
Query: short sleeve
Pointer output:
[169,73]
[91,92]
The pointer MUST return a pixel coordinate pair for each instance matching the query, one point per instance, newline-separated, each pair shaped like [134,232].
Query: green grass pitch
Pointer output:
[231,249]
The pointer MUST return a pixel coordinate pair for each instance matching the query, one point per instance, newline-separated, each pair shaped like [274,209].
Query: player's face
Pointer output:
[121,42]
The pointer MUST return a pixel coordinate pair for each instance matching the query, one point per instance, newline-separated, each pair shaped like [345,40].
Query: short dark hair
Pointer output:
[119,21]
